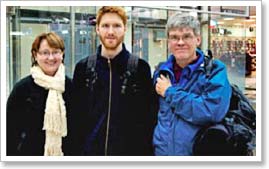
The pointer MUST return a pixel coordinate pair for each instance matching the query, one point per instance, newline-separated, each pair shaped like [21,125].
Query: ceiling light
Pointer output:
[238,24]
[249,20]
[228,19]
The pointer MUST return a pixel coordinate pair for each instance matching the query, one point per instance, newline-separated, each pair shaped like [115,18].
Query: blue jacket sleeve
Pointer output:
[210,105]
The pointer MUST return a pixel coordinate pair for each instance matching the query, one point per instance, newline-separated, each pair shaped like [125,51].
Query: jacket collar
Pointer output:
[119,61]
[187,71]
[194,66]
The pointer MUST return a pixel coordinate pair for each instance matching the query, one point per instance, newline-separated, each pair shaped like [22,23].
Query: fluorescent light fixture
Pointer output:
[64,31]
[220,23]
[17,33]
[228,19]
[238,24]
[83,32]
[249,20]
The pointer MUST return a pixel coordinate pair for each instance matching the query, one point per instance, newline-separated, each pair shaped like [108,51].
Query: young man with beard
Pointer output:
[113,113]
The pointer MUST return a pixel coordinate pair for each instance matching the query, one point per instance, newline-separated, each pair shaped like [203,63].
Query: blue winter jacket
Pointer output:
[196,100]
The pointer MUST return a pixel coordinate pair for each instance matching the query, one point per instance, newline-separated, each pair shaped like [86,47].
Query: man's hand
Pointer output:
[162,84]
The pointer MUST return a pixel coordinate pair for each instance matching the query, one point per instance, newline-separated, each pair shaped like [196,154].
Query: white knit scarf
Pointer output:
[55,122]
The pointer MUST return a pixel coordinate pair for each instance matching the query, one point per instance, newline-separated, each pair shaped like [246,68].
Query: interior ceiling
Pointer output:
[235,8]
[251,21]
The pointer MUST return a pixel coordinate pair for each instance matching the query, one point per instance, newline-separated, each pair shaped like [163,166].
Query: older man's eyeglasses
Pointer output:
[184,38]
[47,53]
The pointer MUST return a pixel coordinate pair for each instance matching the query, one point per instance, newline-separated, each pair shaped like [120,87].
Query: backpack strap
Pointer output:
[132,65]
[91,74]
[91,62]
[208,64]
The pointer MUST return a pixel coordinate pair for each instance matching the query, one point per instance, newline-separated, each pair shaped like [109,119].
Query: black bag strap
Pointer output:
[132,65]
[91,74]
[91,63]
[208,64]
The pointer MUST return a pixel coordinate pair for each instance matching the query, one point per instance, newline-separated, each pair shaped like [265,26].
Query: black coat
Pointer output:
[131,119]
[25,114]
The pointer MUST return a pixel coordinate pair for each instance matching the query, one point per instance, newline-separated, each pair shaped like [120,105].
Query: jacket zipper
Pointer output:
[109,105]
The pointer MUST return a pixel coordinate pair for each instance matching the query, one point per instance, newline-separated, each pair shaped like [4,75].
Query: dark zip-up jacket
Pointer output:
[25,115]
[116,124]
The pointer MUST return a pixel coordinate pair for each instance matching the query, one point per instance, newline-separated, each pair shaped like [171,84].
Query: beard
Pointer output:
[111,45]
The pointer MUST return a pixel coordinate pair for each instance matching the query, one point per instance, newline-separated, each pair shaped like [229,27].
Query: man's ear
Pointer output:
[97,29]
[199,40]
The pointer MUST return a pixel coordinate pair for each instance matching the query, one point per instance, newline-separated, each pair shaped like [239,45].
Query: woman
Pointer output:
[38,105]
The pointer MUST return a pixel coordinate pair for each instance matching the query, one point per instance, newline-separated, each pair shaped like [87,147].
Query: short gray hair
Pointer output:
[179,20]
